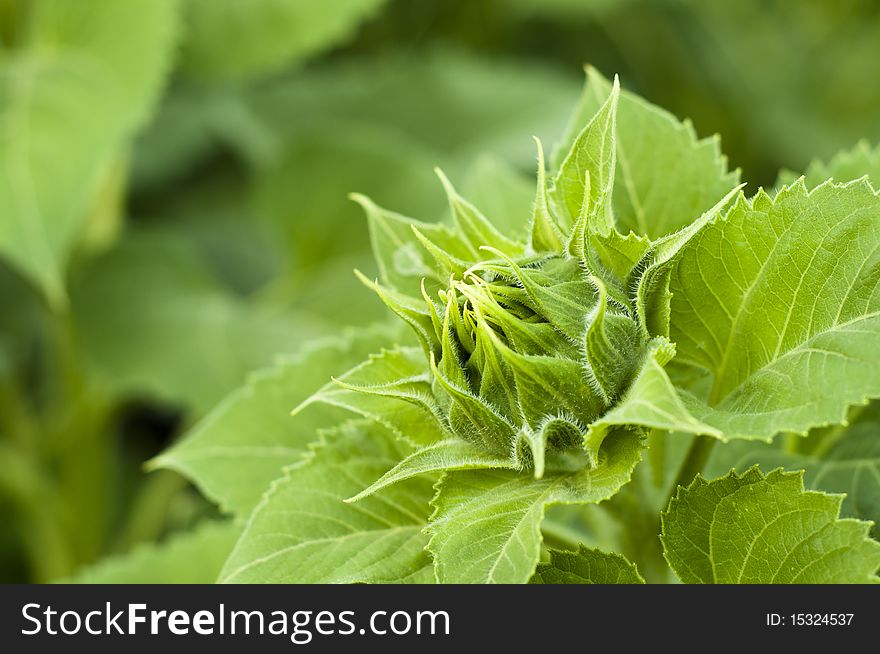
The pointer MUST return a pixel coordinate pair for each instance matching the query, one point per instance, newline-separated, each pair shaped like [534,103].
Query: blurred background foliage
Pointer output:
[174,178]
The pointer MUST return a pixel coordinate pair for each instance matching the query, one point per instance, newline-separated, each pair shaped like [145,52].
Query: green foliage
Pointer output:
[303,532]
[627,301]
[97,66]
[845,166]
[194,557]
[183,336]
[764,529]
[486,526]
[737,68]
[773,298]
[541,369]
[389,138]
[222,454]
[650,143]
[268,34]
[839,459]
[586,566]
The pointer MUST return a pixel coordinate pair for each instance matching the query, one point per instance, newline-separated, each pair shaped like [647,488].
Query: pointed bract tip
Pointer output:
[152,465]
[447,185]
[302,405]
[540,148]
[424,240]
[539,145]
[362,200]
[591,71]
[366,281]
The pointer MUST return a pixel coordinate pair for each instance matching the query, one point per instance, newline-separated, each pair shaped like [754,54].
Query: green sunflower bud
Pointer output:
[536,344]
[528,338]
[525,351]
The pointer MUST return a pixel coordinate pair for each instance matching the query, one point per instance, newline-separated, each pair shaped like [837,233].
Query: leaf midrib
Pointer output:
[797,350]
[714,398]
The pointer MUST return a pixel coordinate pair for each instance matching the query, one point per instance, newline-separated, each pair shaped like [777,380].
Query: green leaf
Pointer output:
[419,110]
[764,529]
[847,460]
[549,386]
[611,346]
[586,566]
[665,176]
[80,79]
[182,337]
[502,193]
[244,443]
[393,388]
[486,527]
[303,531]
[193,557]
[844,166]
[450,454]
[401,255]
[620,254]
[472,225]
[545,234]
[779,300]
[651,402]
[585,179]
[653,297]
[268,34]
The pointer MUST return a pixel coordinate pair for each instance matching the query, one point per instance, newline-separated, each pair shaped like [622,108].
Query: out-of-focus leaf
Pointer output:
[215,217]
[240,39]
[844,166]
[561,9]
[154,320]
[379,126]
[445,101]
[709,61]
[21,319]
[305,195]
[77,80]
[180,135]
[194,557]
[502,193]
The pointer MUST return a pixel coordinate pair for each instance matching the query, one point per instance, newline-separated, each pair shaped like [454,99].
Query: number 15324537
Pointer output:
[809,619]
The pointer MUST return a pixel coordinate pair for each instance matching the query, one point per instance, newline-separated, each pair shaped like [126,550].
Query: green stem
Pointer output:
[76,437]
[647,553]
[16,422]
[45,542]
[829,437]
[562,536]
[148,513]
[694,462]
